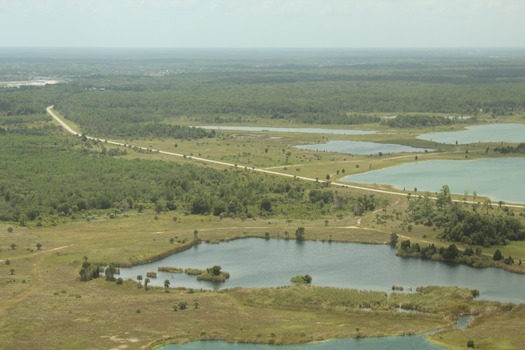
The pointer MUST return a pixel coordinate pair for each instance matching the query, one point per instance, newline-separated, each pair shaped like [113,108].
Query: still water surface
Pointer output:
[344,265]
[499,179]
[361,147]
[480,133]
[417,342]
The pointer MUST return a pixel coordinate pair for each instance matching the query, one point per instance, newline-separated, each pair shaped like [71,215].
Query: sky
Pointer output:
[263,23]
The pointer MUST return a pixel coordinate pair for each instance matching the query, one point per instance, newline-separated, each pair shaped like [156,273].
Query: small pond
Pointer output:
[344,265]
[499,179]
[301,130]
[361,147]
[480,133]
[416,342]
[464,321]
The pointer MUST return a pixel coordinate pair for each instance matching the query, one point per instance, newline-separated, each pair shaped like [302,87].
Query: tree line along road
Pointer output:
[260,170]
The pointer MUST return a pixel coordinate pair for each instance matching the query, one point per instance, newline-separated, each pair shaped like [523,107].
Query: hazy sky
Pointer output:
[262,23]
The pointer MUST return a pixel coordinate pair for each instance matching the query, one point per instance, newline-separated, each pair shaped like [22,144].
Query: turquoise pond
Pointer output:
[499,178]
[362,148]
[514,133]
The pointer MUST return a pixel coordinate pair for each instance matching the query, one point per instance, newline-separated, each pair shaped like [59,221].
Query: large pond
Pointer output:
[361,147]
[344,265]
[480,133]
[499,179]
[301,130]
[417,342]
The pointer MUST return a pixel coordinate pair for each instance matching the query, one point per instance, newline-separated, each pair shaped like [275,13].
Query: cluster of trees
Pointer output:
[451,253]
[73,181]
[417,121]
[88,271]
[478,224]
[469,256]
[520,148]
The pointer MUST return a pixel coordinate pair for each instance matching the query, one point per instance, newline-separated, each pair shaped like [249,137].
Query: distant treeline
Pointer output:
[119,98]
[403,121]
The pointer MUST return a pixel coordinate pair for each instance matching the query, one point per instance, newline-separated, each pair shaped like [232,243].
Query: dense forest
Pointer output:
[127,97]
[474,224]
[46,178]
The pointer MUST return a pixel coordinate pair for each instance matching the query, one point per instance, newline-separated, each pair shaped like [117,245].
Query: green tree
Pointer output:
[216,270]
[196,303]
[405,245]
[38,246]
[12,271]
[299,234]
[139,279]
[393,239]
[110,272]
[183,305]
[497,255]
[146,282]
[266,205]
[301,279]
[166,285]
[13,246]
[450,253]
[87,271]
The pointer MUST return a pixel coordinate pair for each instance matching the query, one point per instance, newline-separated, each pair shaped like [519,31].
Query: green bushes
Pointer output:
[213,274]
[301,279]
[451,254]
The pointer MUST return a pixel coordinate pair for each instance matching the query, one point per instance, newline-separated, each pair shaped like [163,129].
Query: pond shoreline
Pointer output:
[186,246]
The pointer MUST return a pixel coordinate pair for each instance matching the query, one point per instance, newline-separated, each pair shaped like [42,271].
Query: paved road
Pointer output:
[259,170]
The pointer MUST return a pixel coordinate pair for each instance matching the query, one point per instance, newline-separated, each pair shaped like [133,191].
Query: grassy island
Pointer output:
[213,274]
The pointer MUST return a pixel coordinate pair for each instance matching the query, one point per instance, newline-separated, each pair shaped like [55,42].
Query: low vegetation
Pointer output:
[214,274]
[301,279]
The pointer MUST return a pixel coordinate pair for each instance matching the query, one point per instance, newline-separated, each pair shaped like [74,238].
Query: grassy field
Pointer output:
[44,305]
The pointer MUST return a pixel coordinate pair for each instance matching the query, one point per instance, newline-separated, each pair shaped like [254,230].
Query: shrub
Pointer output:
[300,279]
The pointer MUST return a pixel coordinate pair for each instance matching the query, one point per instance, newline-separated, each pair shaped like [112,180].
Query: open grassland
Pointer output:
[44,305]
[500,330]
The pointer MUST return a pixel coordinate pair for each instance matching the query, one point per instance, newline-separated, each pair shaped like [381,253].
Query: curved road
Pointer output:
[260,170]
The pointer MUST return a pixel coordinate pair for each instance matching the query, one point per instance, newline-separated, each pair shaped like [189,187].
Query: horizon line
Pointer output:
[272,48]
